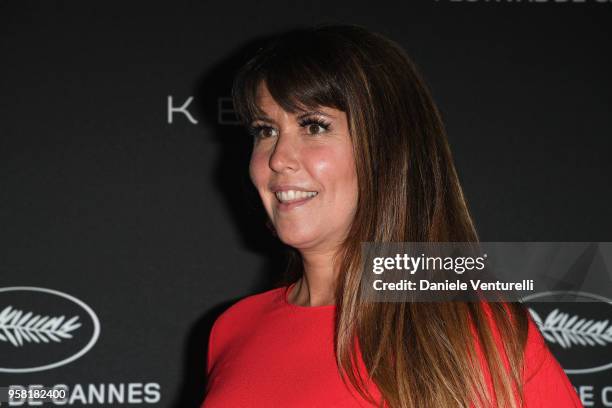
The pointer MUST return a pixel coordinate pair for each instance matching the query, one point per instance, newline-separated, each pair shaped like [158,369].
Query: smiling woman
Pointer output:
[349,147]
[304,171]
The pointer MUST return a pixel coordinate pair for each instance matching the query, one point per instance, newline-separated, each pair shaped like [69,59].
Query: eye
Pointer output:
[260,131]
[318,125]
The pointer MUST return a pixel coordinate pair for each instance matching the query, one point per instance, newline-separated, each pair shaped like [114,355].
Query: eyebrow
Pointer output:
[302,115]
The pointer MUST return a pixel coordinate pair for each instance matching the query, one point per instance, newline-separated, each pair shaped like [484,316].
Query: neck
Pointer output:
[316,286]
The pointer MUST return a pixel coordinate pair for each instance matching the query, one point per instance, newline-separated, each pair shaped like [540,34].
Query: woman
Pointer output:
[349,147]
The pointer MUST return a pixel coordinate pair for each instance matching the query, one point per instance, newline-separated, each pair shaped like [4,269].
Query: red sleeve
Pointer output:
[545,383]
[209,351]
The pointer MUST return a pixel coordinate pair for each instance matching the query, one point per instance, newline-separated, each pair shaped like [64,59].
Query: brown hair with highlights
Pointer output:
[418,354]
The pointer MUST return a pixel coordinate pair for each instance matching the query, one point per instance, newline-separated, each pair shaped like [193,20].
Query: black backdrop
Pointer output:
[117,207]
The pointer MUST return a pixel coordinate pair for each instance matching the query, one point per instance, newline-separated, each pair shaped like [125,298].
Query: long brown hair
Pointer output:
[418,354]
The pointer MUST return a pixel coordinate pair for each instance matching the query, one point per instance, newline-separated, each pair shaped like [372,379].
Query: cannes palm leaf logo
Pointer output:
[567,331]
[17,327]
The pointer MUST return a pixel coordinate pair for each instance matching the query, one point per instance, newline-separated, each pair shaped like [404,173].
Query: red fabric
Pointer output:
[266,352]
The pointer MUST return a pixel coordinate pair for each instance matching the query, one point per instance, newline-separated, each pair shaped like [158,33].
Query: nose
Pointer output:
[284,156]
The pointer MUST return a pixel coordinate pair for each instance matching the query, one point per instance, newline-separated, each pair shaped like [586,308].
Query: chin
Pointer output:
[296,239]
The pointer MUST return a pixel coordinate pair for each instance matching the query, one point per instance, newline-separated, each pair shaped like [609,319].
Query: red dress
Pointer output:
[266,352]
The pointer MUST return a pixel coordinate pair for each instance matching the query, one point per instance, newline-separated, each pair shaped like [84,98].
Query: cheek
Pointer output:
[335,169]
[257,170]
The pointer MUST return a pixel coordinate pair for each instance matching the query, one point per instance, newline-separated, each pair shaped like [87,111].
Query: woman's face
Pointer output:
[303,167]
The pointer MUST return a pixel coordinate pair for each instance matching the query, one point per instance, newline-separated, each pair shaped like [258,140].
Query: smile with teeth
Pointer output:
[289,196]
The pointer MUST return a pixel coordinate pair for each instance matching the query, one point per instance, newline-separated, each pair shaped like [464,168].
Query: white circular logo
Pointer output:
[579,333]
[43,328]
